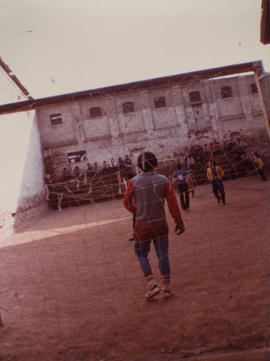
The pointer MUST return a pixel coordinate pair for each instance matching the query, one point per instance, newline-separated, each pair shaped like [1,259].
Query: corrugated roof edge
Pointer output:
[255,66]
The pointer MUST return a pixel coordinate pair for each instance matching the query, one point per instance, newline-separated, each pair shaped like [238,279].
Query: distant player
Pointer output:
[182,179]
[215,175]
[259,166]
[191,183]
[145,197]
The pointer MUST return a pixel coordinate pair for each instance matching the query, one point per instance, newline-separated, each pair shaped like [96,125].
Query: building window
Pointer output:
[226,92]
[128,107]
[95,112]
[160,102]
[195,97]
[76,157]
[56,119]
[254,88]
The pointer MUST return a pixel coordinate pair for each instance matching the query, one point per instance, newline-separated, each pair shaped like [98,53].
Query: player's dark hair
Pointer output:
[129,175]
[147,161]
[179,166]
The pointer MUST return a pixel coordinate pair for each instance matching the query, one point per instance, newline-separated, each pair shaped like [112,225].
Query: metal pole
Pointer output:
[264,93]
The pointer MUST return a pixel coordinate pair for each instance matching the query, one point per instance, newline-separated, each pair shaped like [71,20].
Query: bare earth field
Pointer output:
[72,290]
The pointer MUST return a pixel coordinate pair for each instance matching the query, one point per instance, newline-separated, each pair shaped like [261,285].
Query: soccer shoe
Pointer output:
[152,293]
[167,293]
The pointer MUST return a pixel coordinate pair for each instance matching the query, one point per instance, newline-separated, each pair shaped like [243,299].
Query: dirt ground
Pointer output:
[72,290]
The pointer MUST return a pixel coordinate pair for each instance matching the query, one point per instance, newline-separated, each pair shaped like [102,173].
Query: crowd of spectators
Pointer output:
[88,170]
[234,150]
[194,158]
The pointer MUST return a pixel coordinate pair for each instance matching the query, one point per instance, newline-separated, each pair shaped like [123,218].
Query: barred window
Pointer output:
[128,107]
[226,92]
[95,112]
[56,119]
[160,102]
[76,157]
[195,97]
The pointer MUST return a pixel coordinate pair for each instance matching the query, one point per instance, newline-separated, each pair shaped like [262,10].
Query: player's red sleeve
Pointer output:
[128,198]
[173,205]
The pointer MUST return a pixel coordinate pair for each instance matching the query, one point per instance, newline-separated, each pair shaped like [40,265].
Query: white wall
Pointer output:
[22,183]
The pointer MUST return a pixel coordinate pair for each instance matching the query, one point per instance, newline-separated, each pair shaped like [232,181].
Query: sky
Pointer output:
[63,46]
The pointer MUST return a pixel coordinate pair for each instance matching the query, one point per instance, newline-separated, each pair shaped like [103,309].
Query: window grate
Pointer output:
[56,119]
[95,112]
[160,102]
[128,107]
[195,97]
[226,92]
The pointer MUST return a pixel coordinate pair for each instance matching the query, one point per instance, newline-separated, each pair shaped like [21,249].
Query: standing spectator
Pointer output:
[76,172]
[66,174]
[245,164]
[128,167]
[217,149]
[113,165]
[239,145]
[259,166]
[127,161]
[191,183]
[121,167]
[121,163]
[215,175]
[186,151]
[89,170]
[96,168]
[206,153]
[198,160]
[190,161]
[180,178]
[105,167]
[211,150]
[181,158]
[84,170]
[48,178]
[145,197]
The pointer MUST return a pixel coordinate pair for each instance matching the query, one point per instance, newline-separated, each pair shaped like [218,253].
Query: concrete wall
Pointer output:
[242,112]
[165,131]
[263,82]
[22,176]
[29,141]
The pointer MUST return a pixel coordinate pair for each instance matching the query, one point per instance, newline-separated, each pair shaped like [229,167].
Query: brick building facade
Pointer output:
[163,115]
[164,118]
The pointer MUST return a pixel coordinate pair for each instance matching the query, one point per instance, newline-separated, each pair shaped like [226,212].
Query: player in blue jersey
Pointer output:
[180,178]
